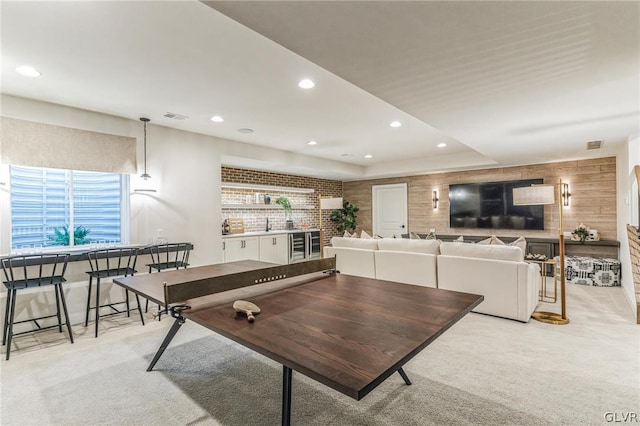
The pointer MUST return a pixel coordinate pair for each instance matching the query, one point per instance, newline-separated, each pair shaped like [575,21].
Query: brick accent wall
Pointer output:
[305,205]
[634,254]
[592,187]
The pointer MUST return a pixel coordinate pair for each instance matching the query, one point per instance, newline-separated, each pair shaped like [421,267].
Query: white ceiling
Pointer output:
[502,83]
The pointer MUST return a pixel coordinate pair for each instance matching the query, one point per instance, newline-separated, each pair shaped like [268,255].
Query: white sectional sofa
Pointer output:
[509,285]
[401,260]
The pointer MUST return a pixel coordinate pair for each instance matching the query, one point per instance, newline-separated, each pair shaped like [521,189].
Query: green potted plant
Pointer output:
[345,217]
[286,205]
[581,232]
[61,236]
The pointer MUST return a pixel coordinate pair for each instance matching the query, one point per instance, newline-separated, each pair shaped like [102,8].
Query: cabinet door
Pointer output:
[274,249]
[239,248]
[250,249]
[232,249]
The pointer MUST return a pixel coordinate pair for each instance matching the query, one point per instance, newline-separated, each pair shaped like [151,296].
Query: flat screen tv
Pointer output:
[490,205]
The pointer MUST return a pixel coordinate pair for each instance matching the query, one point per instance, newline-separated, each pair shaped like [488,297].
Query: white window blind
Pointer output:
[46,200]
[27,143]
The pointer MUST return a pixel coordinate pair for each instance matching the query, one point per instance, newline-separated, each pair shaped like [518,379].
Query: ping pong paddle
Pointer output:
[247,308]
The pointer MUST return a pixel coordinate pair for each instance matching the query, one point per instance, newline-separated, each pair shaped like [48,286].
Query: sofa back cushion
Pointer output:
[409,245]
[359,243]
[495,252]
[353,261]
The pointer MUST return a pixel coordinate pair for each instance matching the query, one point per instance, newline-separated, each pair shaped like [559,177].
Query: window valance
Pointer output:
[27,143]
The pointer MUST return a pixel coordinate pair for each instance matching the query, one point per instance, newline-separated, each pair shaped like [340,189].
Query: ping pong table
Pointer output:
[349,333]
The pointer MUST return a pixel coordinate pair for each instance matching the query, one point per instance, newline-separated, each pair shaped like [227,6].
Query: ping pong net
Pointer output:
[231,277]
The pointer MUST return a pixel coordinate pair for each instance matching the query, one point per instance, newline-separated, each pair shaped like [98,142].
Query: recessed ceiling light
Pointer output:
[368,156]
[441,145]
[395,124]
[312,143]
[28,71]
[217,119]
[245,130]
[306,84]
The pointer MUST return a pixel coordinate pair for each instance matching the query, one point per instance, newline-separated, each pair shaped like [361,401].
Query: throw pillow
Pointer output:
[497,241]
[363,234]
[346,234]
[430,236]
[355,234]
[522,243]
[460,239]
[414,236]
[485,242]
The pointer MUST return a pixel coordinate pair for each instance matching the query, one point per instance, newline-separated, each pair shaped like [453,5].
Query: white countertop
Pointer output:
[272,232]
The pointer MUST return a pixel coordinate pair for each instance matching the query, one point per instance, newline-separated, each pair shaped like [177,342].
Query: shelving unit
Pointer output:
[264,207]
[271,188]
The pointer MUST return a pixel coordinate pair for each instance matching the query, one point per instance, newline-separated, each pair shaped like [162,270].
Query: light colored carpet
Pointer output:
[484,370]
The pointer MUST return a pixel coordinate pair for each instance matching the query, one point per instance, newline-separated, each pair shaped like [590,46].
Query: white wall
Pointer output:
[627,208]
[186,167]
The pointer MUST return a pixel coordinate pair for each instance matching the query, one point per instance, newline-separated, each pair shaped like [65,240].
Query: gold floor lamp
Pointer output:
[536,195]
[332,203]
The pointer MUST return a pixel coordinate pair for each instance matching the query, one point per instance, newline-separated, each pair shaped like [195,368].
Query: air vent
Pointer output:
[175,116]
[594,145]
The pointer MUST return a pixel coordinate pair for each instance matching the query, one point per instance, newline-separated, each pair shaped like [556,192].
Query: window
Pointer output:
[47,203]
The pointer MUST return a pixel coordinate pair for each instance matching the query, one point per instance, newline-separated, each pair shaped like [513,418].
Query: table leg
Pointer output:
[176,312]
[286,395]
[404,376]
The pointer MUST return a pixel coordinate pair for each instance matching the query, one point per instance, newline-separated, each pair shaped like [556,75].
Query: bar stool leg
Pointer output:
[10,330]
[126,296]
[97,304]
[86,318]
[55,290]
[6,318]
[66,312]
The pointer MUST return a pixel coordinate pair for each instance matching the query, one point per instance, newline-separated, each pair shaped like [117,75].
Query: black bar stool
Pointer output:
[28,271]
[110,263]
[168,256]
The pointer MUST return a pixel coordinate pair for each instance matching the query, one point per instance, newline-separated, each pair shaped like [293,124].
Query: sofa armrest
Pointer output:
[508,287]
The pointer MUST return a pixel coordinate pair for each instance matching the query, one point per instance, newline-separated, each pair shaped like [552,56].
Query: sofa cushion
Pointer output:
[408,268]
[520,242]
[359,243]
[495,252]
[408,245]
[353,261]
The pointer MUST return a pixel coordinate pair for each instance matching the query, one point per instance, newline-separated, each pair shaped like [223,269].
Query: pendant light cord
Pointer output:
[145,121]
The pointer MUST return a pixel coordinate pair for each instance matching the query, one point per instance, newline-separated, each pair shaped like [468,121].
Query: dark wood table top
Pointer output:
[349,333]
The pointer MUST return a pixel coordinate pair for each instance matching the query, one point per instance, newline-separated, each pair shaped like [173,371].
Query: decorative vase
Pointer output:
[267,199]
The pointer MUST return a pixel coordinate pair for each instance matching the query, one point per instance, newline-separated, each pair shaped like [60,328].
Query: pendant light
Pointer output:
[145,184]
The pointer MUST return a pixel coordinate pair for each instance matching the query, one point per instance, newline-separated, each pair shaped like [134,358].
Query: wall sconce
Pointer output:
[435,199]
[565,194]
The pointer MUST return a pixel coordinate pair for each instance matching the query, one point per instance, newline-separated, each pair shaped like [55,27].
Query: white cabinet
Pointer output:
[274,248]
[240,248]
